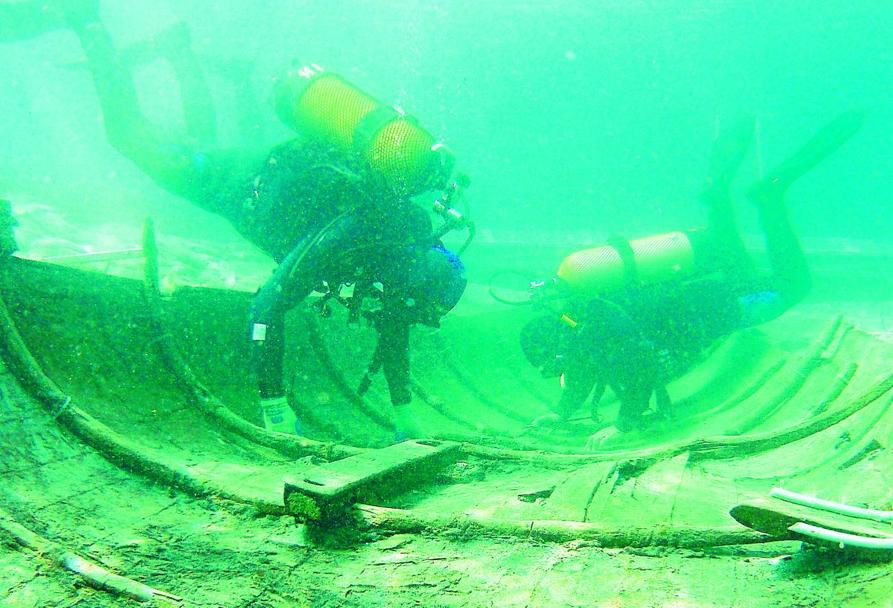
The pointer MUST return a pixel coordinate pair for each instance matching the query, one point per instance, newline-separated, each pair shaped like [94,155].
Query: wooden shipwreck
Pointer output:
[132,460]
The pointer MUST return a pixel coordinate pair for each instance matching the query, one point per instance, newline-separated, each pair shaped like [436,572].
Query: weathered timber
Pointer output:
[325,492]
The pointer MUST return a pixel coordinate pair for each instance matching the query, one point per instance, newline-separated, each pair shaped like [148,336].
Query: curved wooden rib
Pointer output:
[199,395]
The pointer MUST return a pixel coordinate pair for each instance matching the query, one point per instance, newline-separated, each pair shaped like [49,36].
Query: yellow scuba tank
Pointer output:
[653,259]
[324,106]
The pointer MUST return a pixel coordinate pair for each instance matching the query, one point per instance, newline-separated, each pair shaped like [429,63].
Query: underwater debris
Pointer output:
[815,520]
[94,575]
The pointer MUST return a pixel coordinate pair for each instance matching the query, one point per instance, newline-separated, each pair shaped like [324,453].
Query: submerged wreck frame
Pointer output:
[134,463]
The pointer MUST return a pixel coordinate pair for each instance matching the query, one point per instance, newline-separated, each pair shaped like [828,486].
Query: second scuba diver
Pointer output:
[638,314]
[331,207]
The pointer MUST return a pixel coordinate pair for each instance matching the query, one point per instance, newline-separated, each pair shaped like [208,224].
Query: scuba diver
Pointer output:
[331,207]
[638,314]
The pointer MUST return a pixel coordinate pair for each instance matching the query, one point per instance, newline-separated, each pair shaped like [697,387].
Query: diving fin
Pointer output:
[728,152]
[25,20]
[828,139]
[169,44]
[77,13]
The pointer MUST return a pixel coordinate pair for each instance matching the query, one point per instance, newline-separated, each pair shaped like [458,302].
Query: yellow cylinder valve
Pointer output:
[653,259]
[326,107]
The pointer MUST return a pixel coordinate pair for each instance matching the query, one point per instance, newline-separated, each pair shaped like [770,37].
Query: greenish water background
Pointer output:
[575,119]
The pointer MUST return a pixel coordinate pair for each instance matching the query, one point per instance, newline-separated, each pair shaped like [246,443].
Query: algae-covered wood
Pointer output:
[170,492]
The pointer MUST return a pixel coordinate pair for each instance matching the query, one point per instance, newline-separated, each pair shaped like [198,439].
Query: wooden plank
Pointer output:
[639,495]
[323,493]
[571,498]
[658,486]
[253,483]
[702,498]
[601,503]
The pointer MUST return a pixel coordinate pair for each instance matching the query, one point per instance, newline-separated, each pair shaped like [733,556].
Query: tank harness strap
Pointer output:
[627,256]
[370,126]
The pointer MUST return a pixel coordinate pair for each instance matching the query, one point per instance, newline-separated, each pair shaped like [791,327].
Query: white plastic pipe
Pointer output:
[831,507]
[842,539]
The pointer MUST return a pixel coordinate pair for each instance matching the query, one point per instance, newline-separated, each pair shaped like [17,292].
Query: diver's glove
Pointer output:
[597,440]
[279,417]
[546,421]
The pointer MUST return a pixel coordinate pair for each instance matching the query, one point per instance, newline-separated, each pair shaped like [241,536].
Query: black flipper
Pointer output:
[728,152]
[828,139]
[24,20]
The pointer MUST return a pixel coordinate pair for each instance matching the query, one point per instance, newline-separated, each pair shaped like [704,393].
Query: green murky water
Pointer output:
[575,121]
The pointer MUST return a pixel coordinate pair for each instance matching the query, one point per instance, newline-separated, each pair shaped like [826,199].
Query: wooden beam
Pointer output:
[325,492]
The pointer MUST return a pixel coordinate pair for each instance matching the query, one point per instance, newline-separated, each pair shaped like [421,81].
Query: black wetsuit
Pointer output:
[638,339]
[308,206]
[322,221]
